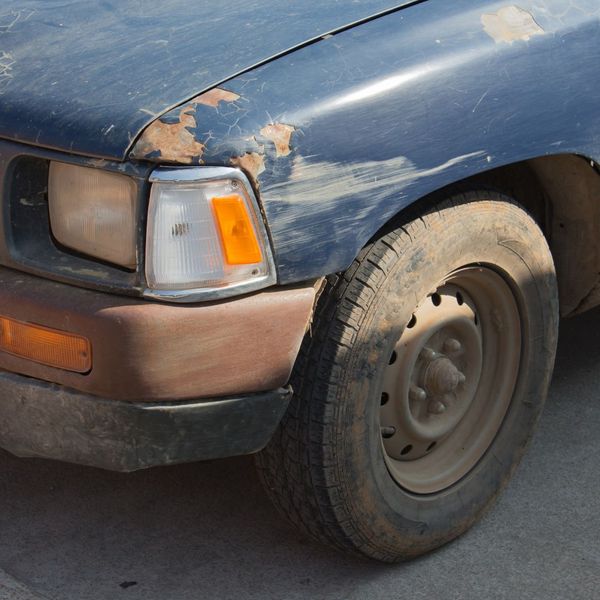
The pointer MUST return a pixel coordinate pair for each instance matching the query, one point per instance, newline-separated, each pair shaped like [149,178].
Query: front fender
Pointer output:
[341,135]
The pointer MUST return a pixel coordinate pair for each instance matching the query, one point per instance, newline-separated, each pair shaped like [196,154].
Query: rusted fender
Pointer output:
[341,135]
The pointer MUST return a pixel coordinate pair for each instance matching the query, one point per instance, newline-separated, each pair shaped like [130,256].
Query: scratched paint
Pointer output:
[317,183]
[8,21]
[325,201]
[6,66]
[511,24]
[125,63]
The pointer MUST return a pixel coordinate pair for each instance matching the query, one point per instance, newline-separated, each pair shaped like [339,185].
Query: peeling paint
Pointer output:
[280,134]
[172,141]
[510,24]
[170,138]
[252,163]
[99,163]
[214,96]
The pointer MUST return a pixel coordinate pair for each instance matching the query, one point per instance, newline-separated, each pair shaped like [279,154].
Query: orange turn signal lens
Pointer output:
[236,230]
[45,346]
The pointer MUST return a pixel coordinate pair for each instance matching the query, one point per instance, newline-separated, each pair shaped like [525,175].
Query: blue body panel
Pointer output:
[86,76]
[382,114]
[338,135]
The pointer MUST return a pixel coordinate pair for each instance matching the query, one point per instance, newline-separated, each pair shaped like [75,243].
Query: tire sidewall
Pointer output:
[494,233]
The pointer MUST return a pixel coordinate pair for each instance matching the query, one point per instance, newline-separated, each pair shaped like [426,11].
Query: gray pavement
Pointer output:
[207,531]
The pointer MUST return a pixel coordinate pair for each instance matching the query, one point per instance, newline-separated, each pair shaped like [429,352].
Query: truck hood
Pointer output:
[88,77]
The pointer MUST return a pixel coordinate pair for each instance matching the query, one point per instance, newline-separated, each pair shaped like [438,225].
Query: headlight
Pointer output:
[205,237]
[93,211]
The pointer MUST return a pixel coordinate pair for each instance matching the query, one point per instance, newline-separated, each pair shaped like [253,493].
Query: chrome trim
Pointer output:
[204,174]
[199,174]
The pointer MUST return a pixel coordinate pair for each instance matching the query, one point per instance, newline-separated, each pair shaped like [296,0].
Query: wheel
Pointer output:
[420,383]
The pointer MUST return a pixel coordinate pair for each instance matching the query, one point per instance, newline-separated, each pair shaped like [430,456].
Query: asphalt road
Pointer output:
[206,531]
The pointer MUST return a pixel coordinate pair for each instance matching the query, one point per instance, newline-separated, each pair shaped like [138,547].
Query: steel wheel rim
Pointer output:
[450,380]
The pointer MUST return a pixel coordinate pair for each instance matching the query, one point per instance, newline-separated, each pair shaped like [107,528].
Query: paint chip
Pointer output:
[510,24]
[280,134]
[252,163]
[214,96]
[173,141]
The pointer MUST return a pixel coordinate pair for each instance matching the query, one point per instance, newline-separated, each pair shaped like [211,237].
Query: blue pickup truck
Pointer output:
[339,235]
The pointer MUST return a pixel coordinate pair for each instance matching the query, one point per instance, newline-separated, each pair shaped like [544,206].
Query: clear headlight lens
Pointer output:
[94,212]
[205,233]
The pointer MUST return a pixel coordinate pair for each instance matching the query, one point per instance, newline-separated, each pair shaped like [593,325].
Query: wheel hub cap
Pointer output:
[441,378]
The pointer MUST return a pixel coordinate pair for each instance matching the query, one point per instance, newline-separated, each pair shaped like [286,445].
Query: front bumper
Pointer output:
[149,351]
[39,419]
[168,383]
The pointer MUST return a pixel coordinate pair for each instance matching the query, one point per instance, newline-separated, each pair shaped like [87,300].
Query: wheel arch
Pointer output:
[562,193]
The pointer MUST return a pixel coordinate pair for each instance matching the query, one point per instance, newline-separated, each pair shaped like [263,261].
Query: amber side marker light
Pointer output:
[236,230]
[46,346]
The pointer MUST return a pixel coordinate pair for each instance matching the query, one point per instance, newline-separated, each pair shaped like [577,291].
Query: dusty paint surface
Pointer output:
[280,134]
[219,366]
[125,63]
[510,24]
[342,134]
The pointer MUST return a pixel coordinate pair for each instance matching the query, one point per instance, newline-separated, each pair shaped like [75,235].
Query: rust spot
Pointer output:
[214,96]
[510,24]
[280,134]
[252,163]
[174,141]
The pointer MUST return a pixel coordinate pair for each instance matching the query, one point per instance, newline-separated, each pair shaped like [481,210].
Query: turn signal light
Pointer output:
[236,230]
[206,238]
[46,346]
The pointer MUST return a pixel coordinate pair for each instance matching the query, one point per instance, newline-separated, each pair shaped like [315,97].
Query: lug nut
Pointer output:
[428,354]
[387,432]
[452,345]
[436,407]
[417,394]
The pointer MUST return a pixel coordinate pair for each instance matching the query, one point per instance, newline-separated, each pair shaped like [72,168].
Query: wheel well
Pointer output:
[562,193]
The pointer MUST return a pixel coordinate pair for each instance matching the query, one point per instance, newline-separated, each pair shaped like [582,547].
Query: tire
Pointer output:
[420,383]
